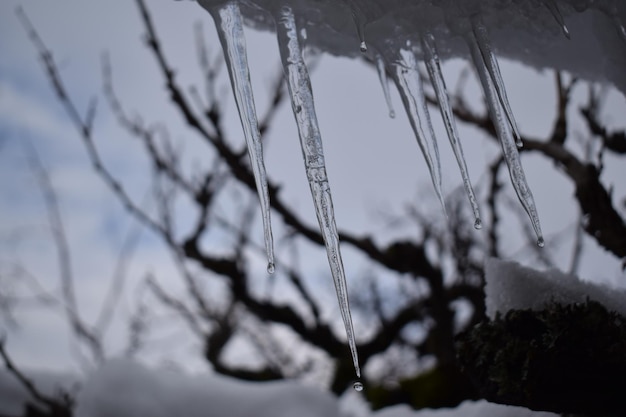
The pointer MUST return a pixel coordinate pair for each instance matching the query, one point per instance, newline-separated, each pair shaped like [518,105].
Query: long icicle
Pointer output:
[409,83]
[433,65]
[229,26]
[299,84]
[384,82]
[481,37]
[509,148]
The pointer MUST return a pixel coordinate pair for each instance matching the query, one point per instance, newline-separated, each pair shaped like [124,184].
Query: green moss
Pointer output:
[565,359]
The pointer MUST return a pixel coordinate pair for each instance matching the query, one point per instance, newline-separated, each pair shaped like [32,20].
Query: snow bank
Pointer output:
[467,409]
[123,388]
[512,286]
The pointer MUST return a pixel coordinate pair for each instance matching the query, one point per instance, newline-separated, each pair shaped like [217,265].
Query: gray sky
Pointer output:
[373,162]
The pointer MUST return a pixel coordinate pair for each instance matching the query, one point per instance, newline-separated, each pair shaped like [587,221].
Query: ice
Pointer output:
[509,148]
[358,18]
[384,82]
[303,107]
[516,29]
[481,37]
[229,26]
[408,80]
[556,13]
[433,66]
[511,286]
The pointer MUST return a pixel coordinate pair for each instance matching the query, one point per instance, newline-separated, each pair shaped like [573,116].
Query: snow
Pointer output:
[510,285]
[125,388]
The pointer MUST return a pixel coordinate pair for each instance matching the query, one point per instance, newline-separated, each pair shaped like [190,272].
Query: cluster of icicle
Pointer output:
[398,58]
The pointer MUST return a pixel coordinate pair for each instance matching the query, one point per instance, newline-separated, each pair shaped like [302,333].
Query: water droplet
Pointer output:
[540,242]
[392,114]
[271,268]
[358,386]
[478,224]
[363,47]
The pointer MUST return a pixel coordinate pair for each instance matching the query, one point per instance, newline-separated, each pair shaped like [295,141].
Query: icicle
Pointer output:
[509,148]
[491,64]
[358,18]
[382,75]
[301,94]
[360,31]
[556,13]
[409,83]
[436,77]
[230,31]
[621,30]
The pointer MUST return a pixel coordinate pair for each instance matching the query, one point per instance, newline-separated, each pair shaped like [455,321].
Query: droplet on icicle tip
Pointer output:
[392,114]
[363,47]
[518,142]
[540,242]
[478,224]
[358,386]
[271,268]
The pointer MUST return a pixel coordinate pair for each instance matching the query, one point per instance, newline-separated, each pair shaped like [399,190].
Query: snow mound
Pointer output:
[124,388]
[511,286]
[480,408]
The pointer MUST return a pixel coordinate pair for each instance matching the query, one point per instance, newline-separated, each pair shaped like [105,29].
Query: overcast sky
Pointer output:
[374,163]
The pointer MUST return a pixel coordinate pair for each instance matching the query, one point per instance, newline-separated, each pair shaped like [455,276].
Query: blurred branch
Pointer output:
[63,254]
[55,407]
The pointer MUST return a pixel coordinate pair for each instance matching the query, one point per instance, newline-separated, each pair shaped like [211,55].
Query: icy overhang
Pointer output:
[528,31]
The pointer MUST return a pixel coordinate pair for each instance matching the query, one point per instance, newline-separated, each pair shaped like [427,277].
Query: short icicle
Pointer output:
[358,18]
[384,82]
[556,13]
[433,66]
[509,148]
[407,78]
[229,26]
[299,85]
[481,37]
[621,30]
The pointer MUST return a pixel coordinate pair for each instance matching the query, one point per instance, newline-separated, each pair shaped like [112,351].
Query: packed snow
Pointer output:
[511,286]
[397,35]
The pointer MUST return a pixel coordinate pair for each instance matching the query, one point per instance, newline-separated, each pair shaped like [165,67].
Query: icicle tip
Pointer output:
[358,386]
[540,242]
[478,224]
[271,268]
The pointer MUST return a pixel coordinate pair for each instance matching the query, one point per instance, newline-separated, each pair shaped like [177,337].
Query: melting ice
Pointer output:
[399,34]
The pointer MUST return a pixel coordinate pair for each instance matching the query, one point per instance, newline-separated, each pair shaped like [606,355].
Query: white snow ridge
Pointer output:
[584,37]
